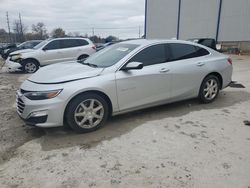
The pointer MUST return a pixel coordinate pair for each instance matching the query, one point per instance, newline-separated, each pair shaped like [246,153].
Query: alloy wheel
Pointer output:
[211,89]
[30,67]
[89,113]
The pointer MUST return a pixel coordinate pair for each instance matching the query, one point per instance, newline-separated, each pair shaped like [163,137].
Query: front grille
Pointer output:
[20,105]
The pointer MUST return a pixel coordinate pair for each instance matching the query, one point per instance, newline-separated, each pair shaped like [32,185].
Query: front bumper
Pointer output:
[42,113]
[13,66]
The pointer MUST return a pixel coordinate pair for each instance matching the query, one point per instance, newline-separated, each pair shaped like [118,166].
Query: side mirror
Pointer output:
[132,66]
[45,48]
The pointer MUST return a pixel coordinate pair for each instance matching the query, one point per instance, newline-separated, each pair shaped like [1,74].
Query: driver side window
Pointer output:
[151,55]
[53,45]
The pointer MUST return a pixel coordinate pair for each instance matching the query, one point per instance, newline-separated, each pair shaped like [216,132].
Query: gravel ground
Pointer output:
[184,144]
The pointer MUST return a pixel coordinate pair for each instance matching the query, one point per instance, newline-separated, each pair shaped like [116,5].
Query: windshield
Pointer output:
[110,55]
[40,44]
[22,44]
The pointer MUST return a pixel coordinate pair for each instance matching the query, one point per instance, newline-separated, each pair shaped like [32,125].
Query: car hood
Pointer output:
[22,51]
[64,72]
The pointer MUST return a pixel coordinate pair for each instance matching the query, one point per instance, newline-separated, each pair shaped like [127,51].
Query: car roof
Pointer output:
[154,41]
[146,42]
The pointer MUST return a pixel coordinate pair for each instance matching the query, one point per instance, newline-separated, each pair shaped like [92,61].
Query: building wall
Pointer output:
[198,18]
[235,20]
[161,19]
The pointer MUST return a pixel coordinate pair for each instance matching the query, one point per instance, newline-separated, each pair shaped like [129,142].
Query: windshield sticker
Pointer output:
[122,49]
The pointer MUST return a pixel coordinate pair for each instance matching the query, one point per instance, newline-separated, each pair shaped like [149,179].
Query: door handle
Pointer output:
[164,70]
[200,64]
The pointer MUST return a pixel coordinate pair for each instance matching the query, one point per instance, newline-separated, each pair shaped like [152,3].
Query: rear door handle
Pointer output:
[164,70]
[200,64]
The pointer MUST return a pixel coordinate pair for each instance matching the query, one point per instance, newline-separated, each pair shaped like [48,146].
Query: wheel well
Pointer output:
[83,55]
[33,59]
[98,93]
[218,76]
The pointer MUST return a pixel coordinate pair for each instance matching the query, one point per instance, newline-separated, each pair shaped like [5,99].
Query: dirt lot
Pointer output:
[185,144]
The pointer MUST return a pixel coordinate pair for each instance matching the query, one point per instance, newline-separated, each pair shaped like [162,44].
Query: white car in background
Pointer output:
[121,78]
[49,52]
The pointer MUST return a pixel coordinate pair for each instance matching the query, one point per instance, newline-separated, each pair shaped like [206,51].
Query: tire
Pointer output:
[81,57]
[30,66]
[84,109]
[209,89]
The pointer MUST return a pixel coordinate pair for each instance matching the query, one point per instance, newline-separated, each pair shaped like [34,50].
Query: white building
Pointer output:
[224,20]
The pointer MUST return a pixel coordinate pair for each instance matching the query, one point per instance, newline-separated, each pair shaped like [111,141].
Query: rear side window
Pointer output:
[82,42]
[69,43]
[152,55]
[53,45]
[201,51]
[185,51]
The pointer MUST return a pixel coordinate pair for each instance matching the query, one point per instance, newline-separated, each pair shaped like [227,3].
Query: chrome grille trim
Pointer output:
[20,105]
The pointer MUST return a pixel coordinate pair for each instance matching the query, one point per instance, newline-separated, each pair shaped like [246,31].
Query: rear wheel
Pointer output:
[87,112]
[209,90]
[30,66]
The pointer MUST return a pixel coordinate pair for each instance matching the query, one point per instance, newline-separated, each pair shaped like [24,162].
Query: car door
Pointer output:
[188,68]
[146,86]
[70,49]
[51,53]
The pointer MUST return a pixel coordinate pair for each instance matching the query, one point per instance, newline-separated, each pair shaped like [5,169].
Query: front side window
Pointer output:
[53,45]
[151,55]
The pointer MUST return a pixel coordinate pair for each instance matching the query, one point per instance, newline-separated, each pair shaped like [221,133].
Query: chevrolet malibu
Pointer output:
[124,77]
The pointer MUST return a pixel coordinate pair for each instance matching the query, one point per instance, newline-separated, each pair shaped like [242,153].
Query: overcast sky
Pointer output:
[79,15]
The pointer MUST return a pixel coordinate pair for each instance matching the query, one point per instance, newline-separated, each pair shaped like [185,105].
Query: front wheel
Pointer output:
[209,90]
[30,66]
[87,112]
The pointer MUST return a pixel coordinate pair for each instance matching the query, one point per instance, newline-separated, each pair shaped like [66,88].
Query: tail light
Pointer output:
[94,47]
[229,60]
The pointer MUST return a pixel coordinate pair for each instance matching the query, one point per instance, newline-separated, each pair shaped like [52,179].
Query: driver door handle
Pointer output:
[200,64]
[164,70]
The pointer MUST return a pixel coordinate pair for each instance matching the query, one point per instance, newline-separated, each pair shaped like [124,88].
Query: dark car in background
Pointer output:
[6,46]
[25,45]
[208,42]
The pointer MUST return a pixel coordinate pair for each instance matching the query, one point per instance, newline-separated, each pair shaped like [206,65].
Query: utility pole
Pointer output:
[93,31]
[8,24]
[21,26]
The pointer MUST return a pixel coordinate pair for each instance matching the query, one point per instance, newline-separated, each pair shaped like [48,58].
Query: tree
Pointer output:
[3,35]
[19,29]
[2,32]
[40,30]
[58,32]
[74,34]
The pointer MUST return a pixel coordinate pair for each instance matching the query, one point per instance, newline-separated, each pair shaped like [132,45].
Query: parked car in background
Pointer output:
[99,46]
[25,45]
[121,78]
[209,42]
[7,46]
[49,52]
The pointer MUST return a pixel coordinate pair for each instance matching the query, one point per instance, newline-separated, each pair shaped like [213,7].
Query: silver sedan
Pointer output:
[124,77]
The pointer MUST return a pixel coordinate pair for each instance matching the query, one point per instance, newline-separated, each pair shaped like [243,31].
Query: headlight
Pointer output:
[42,95]
[15,57]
